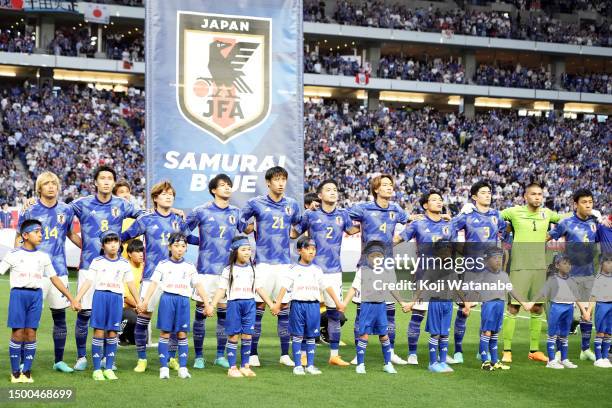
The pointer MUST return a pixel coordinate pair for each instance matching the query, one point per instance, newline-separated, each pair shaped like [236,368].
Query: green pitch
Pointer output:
[526,384]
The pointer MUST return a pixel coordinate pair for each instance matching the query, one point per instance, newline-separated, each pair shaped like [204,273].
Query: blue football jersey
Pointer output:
[482,231]
[216,229]
[428,231]
[273,221]
[604,237]
[378,223]
[156,229]
[327,230]
[96,217]
[580,237]
[56,223]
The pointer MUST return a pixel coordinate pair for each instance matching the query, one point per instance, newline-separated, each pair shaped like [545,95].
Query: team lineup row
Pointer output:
[277,220]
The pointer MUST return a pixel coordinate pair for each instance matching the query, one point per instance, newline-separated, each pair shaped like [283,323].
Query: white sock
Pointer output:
[333,353]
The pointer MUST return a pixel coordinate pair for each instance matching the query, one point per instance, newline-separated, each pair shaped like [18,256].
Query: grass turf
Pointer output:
[527,383]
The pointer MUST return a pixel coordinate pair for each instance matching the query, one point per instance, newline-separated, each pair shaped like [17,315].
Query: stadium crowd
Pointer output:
[425,149]
[426,70]
[70,131]
[16,41]
[514,76]
[592,83]
[525,26]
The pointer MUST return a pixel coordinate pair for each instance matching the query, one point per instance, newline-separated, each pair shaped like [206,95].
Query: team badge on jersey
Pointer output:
[494,220]
[231,219]
[392,215]
[593,226]
[445,231]
[288,210]
[175,225]
[338,220]
[223,72]
[115,212]
[61,217]
[543,214]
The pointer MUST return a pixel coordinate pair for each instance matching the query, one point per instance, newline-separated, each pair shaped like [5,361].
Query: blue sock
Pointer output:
[459,330]
[97,344]
[296,349]
[141,331]
[232,350]
[356,325]
[162,350]
[551,342]
[493,347]
[245,352]
[15,355]
[433,350]
[111,351]
[221,337]
[484,346]
[586,328]
[564,348]
[60,332]
[386,350]
[605,348]
[559,343]
[333,328]
[361,350]
[183,351]
[310,351]
[257,331]
[391,323]
[172,345]
[199,331]
[282,328]
[81,330]
[414,330]
[443,346]
[598,347]
[22,354]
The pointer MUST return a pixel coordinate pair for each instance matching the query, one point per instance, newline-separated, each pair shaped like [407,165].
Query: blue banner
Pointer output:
[224,94]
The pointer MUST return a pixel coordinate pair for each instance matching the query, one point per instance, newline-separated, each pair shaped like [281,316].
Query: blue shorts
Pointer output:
[304,319]
[603,317]
[25,308]
[173,313]
[492,315]
[439,317]
[560,316]
[373,319]
[106,310]
[240,317]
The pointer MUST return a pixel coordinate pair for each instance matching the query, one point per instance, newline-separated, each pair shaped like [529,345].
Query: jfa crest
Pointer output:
[593,226]
[288,210]
[231,219]
[175,225]
[543,214]
[61,217]
[115,212]
[494,220]
[223,72]
[339,220]
[392,215]
[445,231]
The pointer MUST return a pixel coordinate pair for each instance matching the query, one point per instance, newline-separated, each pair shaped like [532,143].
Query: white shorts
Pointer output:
[333,280]
[154,301]
[270,278]
[211,285]
[52,296]
[421,306]
[87,298]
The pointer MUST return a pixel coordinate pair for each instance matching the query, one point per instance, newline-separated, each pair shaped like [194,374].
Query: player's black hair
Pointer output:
[233,256]
[135,245]
[310,198]
[478,185]
[214,182]
[276,171]
[533,183]
[324,182]
[100,169]
[28,223]
[582,192]
[425,197]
